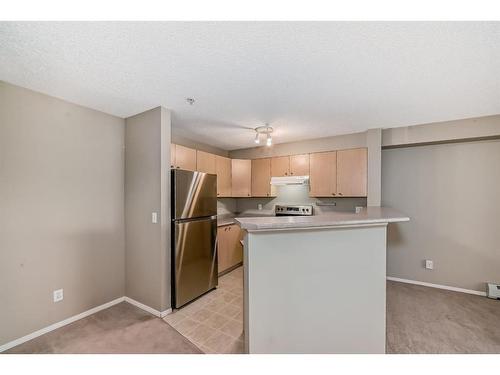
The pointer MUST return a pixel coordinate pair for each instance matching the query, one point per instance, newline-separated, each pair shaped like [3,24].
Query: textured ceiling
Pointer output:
[308,80]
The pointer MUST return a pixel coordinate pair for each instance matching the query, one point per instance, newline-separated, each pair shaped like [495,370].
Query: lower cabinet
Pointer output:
[229,248]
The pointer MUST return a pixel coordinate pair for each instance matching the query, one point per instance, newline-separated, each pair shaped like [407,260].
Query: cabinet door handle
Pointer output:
[333,193]
[340,193]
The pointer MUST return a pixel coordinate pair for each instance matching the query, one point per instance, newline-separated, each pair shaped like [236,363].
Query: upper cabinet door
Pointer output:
[323,174]
[261,177]
[172,155]
[223,170]
[205,162]
[185,158]
[299,165]
[241,177]
[280,166]
[352,172]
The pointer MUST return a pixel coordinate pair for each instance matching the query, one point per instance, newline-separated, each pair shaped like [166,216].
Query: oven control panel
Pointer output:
[280,210]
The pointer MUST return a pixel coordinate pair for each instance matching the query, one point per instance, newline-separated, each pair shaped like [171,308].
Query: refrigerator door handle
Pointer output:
[213,217]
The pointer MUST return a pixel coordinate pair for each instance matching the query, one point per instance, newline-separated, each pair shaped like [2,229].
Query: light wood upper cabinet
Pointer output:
[223,171]
[352,172]
[229,248]
[280,166]
[299,165]
[261,177]
[185,158]
[342,173]
[241,177]
[323,174]
[205,162]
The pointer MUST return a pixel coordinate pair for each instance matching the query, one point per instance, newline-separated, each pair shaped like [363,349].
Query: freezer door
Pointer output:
[194,258]
[194,194]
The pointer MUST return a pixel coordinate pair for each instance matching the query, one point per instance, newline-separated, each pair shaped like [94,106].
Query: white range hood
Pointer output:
[290,180]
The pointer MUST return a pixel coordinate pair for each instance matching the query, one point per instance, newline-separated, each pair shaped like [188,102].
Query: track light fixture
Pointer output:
[266,131]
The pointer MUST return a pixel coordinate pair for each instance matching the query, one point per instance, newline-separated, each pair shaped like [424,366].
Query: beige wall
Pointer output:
[451,193]
[302,147]
[179,140]
[147,172]
[61,210]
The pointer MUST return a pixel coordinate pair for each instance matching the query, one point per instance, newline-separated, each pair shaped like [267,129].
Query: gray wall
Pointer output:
[61,209]
[479,127]
[147,190]
[374,144]
[451,193]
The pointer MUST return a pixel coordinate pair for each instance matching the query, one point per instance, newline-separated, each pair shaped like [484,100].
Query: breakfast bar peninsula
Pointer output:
[316,284]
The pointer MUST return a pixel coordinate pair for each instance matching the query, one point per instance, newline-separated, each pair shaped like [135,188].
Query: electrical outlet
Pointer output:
[429,264]
[58,295]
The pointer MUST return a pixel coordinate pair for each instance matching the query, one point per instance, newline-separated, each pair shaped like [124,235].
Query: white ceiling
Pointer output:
[306,79]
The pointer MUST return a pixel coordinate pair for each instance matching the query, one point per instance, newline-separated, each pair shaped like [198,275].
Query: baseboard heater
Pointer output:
[493,291]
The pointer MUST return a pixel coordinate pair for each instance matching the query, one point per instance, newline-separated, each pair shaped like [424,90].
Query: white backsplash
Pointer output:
[226,206]
[288,194]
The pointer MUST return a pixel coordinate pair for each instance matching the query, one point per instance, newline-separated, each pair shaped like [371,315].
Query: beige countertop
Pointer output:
[228,219]
[369,215]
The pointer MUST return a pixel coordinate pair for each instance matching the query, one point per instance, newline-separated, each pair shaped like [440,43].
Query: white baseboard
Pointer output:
[60,324]
[438,286]
[159,314]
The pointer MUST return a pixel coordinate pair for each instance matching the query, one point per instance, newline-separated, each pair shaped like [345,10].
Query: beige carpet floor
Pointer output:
[419,320]
[428,320]
[122,328]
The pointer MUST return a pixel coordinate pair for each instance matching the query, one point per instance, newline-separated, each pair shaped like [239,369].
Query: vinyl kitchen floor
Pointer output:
[419,320]
[214,322]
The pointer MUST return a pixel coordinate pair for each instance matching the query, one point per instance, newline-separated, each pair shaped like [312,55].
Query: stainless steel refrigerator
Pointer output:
[194,235]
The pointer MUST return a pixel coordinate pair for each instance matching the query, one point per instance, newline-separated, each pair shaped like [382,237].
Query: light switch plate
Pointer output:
[154,217]
[58,295]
